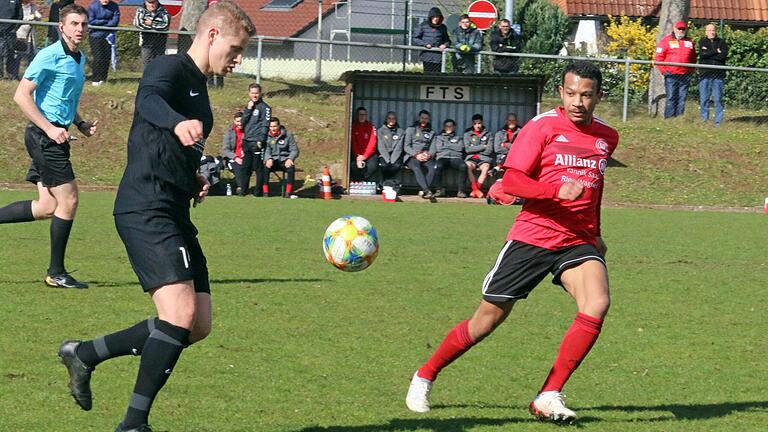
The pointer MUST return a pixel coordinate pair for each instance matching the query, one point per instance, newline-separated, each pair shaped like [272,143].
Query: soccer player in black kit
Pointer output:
[171,122]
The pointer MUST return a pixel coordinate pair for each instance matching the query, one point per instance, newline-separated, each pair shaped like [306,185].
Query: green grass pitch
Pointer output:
[299,346]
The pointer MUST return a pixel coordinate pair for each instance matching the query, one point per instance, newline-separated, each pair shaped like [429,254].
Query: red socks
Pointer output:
[457,342]
[577,342]
[265,189]
[288,189]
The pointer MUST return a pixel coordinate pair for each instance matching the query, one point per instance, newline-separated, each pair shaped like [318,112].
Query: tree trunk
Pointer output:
[189,16]
[672,11]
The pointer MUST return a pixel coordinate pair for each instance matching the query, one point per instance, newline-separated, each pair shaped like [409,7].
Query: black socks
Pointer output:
[129,341]
[20,211]
[60,229]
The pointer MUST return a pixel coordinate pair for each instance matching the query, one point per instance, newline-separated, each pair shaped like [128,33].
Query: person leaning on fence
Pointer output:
[449,153]
[25,35]
[152,16]
[432,33]
[503,140]
[53,17]
[233,148]
[712,51]
[505,40]
[468,41]
[419,151]
[9,9]
[676,48]
[256,115]
[390,146]
[105,13]
[280,154]
[364,161]
[478,146]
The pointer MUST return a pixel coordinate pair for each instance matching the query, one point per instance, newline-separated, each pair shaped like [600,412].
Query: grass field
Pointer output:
[298,346]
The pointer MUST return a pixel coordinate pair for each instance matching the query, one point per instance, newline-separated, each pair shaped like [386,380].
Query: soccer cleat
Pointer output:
[440,192]
[417,399]
[142,428]
[461,194]
[79,374]
[550,406]
[428,194]
[64,280]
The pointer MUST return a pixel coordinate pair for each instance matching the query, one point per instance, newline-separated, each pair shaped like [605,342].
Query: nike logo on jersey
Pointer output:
[193,94]
[562,139]
[168,371]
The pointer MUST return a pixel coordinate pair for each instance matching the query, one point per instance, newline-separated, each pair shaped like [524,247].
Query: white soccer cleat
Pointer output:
[418,394]
[551,406]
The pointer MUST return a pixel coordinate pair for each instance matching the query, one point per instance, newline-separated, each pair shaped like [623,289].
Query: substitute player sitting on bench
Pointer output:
[280,154]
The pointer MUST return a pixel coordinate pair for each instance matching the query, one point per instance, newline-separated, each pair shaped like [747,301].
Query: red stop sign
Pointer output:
[172,6]
[483,13]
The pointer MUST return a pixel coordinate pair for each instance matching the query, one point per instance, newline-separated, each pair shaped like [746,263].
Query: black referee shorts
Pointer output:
[521,266]
[50,161]
[163,248]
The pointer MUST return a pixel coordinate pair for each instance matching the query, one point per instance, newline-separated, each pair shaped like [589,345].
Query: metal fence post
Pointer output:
[626,91]
[259,46]
[479,63]
[443,56]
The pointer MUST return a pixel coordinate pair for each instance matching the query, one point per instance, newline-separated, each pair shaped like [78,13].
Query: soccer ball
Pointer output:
[351,243]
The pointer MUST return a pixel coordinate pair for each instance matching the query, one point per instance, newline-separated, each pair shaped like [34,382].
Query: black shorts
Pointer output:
[163,248]
[50,161]
[521,266]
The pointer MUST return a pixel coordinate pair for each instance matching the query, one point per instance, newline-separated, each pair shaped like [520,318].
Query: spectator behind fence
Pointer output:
[504,138]
[478,146]
[152,16]
[280,154]
[432,33]
[53,16]
[712,51]
[676,48]
[26,44]
[233,149]
[467,40]
[9,9]
[104,13]
[364,159]
[256,115]
[390,145]
[449,153]
[419,150]
[505,40]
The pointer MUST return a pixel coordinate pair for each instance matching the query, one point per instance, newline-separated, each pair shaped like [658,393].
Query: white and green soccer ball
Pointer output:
[351,243]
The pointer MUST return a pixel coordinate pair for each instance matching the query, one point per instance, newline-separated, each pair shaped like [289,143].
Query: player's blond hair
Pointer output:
[228,17]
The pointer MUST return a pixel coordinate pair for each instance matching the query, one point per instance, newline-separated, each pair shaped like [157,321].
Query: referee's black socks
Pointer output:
[128,341]
[60,229]
[158,358]
[20,211]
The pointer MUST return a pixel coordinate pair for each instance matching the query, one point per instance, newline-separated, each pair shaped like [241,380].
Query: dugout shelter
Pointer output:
[445,96]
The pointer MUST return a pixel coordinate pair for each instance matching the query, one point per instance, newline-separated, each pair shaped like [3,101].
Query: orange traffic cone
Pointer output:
[325,189]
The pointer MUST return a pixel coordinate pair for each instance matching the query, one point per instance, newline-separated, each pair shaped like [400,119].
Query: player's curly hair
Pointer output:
[584,69]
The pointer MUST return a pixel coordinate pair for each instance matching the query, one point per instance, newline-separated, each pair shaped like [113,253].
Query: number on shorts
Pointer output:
[184,256]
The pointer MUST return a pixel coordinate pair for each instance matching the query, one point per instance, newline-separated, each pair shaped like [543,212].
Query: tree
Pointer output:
[190,13]
[672,11]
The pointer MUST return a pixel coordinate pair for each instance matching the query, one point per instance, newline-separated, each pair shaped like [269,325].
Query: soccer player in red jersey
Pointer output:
[557,164]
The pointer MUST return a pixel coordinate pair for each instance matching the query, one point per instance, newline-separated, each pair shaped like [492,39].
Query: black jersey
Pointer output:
[161,172]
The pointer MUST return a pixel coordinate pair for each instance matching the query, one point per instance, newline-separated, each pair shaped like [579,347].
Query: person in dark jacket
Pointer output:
[280,154]
[104,13]
[419,151]
[478,146]
[468,41]
[432,33]
[712,51]
[390,146]
[256,115]
[53,16]
[449,153]
[503,140]
[152,16]
[505,40]
[9,9]
[233,149]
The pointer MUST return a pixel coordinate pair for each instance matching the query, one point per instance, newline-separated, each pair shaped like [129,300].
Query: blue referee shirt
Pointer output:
[60,75]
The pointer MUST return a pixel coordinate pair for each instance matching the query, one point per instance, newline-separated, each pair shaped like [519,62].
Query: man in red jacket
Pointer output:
[676,48]
[364,159]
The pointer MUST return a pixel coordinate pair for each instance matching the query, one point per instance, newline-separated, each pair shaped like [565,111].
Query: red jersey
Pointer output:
[673,50]
[363,139]
[239,142]
[552,149]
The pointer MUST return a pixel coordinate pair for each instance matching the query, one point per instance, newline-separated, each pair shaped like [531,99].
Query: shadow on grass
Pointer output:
[759,120]
[266,280]
[294,89]
[688,411]
[456,424]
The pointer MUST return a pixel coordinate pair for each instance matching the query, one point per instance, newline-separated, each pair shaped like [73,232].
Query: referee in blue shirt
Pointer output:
[48,95]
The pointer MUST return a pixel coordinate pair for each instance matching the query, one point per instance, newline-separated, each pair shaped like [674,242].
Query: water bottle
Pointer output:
[229,189]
